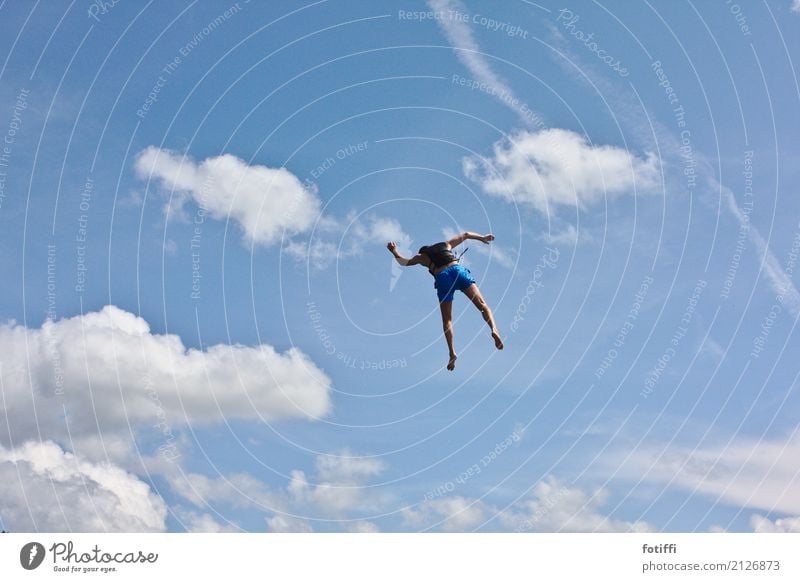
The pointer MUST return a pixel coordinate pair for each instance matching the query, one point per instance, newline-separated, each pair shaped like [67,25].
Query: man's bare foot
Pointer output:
[451,365]
[498,343]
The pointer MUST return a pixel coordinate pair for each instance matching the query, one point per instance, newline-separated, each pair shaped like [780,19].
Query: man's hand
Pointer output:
[392,246]
[487,238]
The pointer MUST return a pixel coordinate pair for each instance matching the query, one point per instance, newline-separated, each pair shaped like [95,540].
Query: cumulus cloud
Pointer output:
[550,507]
[44,488]
[451,514]
[340,484]
[760,474]
[288,524]
[195,522]
[558,167]
[267,203]
[553,506]
[761,524]
[106,371]
[362,527]
[338,487]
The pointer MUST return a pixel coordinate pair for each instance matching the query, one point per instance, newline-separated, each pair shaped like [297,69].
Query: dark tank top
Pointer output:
[440,255]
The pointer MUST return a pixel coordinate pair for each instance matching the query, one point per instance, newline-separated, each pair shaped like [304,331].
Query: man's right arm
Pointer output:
[415,260]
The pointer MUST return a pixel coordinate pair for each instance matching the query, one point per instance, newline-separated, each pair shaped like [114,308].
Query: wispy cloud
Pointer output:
[346,238]
[674,156]
[568,235]
[712,348]
[501,255]
[760,474]
[780,282]
[459,35]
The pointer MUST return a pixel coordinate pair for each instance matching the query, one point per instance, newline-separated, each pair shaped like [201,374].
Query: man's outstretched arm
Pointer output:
[457,240]
[415,260]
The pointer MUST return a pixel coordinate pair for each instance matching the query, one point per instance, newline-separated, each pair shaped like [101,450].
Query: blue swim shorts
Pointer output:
[452,279]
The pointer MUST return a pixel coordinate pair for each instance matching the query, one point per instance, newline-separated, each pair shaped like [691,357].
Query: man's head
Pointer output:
[423,250]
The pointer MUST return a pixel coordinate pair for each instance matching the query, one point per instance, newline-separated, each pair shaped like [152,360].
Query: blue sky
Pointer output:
[203,330]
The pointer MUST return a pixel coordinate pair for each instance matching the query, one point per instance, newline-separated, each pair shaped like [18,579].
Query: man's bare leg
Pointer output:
[477,299]
[447,323]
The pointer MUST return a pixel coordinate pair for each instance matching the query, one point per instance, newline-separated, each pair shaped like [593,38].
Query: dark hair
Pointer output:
[422,250]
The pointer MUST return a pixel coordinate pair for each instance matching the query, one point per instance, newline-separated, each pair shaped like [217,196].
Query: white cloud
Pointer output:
[795,6]
[319,253]
[363,527]
[340,484]
[547,168]
[203,522]
[383,230]
[288,524]
[343,239]
[451,514]
[346,468]
[761,524]
[43,488]
[103,371]
[569,235]
[758,474]
[236,490]
[404,247]
[338,487]
[558,167]
[550,507]
[267,203]
[459,35]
